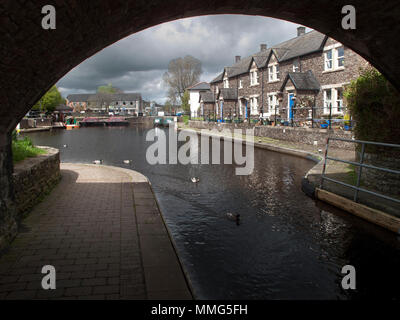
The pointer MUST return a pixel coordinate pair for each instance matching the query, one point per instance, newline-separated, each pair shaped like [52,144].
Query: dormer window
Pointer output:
[253,77]
[340,57]
[296,65]
[334,57]
[226,81]
[273,72]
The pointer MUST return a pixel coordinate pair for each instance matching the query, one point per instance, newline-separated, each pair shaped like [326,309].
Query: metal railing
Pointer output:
[359,164]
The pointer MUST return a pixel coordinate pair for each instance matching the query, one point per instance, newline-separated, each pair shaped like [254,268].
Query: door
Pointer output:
[291,105]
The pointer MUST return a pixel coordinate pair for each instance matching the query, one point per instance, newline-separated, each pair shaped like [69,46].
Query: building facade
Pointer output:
[299,79]
[127,103]
[194,95]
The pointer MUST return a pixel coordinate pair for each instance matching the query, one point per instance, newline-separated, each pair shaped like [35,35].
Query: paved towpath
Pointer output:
[102,231]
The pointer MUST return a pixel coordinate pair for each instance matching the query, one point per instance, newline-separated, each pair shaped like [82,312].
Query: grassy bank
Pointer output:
[24,148]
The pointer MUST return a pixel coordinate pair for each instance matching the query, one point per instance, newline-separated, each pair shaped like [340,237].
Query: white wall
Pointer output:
[194,103]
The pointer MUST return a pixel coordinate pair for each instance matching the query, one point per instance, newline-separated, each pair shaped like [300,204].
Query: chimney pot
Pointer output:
[301,31]
[237,58]
[263,47]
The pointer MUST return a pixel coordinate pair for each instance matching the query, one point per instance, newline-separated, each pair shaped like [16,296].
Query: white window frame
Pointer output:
[274,75]
[326,101]
[274,103]
[334,100]
[226,83]
[254,105]
[335,58]
[254,77]
[296,65]
[338,58]
[240,84]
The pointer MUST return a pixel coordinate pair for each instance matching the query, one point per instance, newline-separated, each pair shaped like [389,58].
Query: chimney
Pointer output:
[237,58]
[301,31]
[263,47]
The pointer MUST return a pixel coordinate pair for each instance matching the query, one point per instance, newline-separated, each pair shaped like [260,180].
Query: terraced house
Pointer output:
[301,78]
[129,103]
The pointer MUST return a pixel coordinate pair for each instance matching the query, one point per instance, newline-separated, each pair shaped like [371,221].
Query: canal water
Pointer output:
[287,246]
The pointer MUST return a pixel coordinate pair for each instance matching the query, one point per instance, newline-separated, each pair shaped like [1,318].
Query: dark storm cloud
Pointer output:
[138,62]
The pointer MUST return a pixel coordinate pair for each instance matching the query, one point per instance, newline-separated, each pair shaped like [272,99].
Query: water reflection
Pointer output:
[286,246]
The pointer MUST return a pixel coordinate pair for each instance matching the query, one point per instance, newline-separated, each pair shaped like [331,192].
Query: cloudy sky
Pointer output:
[138,62]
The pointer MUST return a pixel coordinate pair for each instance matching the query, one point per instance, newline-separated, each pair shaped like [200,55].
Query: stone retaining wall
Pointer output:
[34,178]
[295,134]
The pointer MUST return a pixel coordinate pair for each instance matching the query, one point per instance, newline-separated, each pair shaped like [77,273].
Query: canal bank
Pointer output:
[376,210]
[287,246]
[102,230]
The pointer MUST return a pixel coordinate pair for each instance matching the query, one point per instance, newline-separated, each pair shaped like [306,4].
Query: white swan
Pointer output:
[195,180]
[127,161]
[97,161]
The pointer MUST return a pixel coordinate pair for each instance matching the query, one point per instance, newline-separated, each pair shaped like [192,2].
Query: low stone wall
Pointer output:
[295,134]
[34,178]
[146,121]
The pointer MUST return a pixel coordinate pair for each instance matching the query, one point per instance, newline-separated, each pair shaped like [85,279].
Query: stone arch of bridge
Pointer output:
[33,59]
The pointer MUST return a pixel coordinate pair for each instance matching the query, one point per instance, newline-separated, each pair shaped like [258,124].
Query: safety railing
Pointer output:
[360,165]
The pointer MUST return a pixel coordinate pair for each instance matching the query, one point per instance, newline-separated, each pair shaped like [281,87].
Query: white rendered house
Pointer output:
[194,95]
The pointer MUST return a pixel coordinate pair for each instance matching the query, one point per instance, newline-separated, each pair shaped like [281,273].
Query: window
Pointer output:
[131,103]
[253,77]
[340,57]
[240,84]
[296,65]
[272,103]
[226,83]
[273,73]
[327,100]
[254,105]
[328,60]
[339,99]
[334,58]
[333,97]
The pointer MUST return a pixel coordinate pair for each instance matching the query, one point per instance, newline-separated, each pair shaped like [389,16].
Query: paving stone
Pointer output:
[102,244]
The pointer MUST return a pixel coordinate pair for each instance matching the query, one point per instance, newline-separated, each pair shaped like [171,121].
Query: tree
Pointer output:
[182,73]
[185,101]
[49,101]
[374,105]
[108,89]
[168,106]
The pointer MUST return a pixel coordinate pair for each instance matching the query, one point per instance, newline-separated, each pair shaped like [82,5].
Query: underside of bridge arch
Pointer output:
[33,59]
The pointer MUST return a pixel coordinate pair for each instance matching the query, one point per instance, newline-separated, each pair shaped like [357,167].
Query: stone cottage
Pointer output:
[274,83]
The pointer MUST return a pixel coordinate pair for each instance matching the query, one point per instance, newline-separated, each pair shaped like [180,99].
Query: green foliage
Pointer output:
[24,148]
[107,89]
[49,101]
[185,101]
[14,135]
[185,119]
[375,106]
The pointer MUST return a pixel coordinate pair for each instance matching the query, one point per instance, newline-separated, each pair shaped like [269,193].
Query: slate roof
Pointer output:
[302,81]
[79,97]
[130,96]
[228,93]
[207,97]
[200,86]
[307,43]
[95,97]
[218,78]
[63,107]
